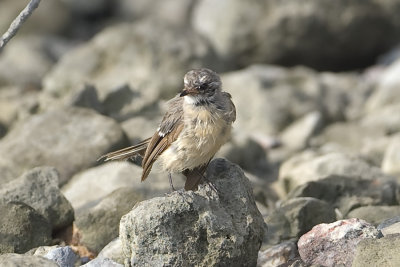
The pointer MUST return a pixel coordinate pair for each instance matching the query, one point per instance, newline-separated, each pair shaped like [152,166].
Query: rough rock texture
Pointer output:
[391,159]
[390,226]
[378,252]
[334,244]
[22,228]
[102,262]
[113,251]
[63,256]
[277,255]
[202,227]
[157,63]
[89,187]
[291,33]
[38,188]
[70,139]
[17,260]
[375,214]
[99,225]
[347,193]
[310,166]
[295,217]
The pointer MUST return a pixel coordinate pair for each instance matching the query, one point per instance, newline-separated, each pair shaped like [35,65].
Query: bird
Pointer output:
[197,122]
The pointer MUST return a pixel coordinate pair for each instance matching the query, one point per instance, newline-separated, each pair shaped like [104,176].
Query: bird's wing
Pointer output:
[168,131]
[231,114]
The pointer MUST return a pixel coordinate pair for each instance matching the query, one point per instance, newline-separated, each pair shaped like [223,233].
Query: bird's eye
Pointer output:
[203,86]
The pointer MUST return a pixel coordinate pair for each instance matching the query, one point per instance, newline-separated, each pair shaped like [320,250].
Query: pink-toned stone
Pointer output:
[335,243]
[277,255]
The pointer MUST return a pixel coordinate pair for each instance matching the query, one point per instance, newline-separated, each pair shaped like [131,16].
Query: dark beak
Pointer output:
[188,92]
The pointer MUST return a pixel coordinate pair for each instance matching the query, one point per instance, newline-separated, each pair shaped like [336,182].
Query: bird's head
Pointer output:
[201,84]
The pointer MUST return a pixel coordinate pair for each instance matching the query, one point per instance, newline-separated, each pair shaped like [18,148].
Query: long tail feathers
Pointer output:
[127,152]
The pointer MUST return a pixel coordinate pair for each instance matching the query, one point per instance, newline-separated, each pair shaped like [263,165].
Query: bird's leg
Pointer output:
[170,183]
[208,181]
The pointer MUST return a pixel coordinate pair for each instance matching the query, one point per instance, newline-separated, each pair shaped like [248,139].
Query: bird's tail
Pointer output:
[127,152]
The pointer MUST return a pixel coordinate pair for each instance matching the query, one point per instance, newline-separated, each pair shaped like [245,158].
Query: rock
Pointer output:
[378,252]
[374,214]
[139,128]
[298,134]
[25,62]
[335,243]
[279,229]
[64,256]
[38,188]
[289,33]
[347,193]
[16,223]
[86,97]
[78,137]
[310,166]
[306,90]
[99,225]
[248,154]
[385,120]
[304,213]
[171,12]
[153,65]
[277,255]
[202,227]
[102,262]
[391,159]
[386,93]
[17,260]
[113,251]
[88,188]
[390,226]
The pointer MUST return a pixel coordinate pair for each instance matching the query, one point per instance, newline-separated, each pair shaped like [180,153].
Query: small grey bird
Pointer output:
[197,123]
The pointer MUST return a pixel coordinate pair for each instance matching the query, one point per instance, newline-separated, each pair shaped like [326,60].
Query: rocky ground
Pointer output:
[310,177]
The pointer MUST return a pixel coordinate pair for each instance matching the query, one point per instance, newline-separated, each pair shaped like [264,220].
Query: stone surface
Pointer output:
[378,252]
[17,260]
[22,228]
[374,214]
[298,134]
[202,227]
[89,187]
[335,243]
[347,193]
[70,139]
[38,188]
[99,225]
[63,256]
[391,159]
[390,226]
[144,59]
[292,33]
[277,255]
[113,251]
[102,262]
[385,119]
[310,166]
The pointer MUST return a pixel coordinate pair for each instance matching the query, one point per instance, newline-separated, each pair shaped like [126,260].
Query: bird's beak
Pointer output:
[188,92]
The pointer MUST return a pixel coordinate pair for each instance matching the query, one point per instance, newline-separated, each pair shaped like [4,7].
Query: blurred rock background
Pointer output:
[316,85]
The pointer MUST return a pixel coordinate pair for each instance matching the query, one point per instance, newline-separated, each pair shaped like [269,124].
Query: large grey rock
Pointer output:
[99,225]
[293,32]
[310,166]
[200,228]
[70,139]
[334,244]
[347,193]
[153,65]
[378,252]
[17,260]
[38,188]
[89,187]
[374,214]
[22,228]
[103,262]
